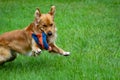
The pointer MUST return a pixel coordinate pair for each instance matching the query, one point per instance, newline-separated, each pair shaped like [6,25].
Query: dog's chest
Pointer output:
[29,53]
[52,38]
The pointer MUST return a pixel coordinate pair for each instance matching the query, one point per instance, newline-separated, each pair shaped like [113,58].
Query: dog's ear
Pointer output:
[37,16]
[52,11]
[37,13]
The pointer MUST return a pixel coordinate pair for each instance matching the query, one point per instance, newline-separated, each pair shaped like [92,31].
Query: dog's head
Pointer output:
[45,22]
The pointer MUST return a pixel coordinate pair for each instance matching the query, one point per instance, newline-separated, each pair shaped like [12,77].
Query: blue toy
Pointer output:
[41,40]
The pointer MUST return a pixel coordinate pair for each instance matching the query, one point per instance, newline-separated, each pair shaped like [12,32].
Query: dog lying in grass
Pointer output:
[21,41]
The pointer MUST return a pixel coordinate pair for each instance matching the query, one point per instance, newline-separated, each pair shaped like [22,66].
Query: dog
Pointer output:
[21,41]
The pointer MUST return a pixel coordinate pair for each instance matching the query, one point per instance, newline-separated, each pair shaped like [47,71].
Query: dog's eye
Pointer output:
[45,25]
[51,24]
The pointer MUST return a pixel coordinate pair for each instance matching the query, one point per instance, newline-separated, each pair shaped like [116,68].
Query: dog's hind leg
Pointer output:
[14,55]
[5,55]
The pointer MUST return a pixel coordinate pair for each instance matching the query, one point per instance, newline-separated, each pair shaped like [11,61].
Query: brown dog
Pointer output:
[20,41]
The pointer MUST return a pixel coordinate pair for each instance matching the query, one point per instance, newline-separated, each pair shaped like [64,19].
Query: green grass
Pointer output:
[89,29]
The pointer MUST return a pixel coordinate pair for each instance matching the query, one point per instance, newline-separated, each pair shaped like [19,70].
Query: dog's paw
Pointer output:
[66,53]
[37,51]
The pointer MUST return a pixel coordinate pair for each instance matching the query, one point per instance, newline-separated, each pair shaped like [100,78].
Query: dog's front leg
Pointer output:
[35,49]
[56,49]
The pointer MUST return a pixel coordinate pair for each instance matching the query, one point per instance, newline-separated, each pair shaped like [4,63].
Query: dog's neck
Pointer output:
[30,27]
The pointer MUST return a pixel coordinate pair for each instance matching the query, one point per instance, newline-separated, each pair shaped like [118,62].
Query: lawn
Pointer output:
[89,29]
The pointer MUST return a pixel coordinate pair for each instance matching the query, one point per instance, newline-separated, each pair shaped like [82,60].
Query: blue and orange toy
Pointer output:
[41,40]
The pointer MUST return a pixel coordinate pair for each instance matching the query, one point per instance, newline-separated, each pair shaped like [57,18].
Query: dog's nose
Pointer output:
[49,33]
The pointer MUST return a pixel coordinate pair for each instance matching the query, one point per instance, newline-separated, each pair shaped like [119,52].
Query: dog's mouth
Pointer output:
[49,33]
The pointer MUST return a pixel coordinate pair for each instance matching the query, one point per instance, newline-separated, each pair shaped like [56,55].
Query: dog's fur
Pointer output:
[20,41]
